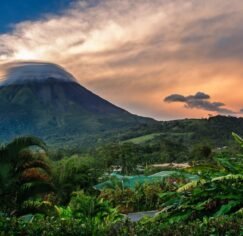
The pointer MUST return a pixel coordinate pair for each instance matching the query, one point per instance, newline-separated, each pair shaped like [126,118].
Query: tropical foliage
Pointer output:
[73,174]
[216,194]
[25,174]
[224,225]
[143,197]
[210,205]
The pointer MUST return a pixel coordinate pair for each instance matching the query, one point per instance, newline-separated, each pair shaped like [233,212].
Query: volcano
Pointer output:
[44,100]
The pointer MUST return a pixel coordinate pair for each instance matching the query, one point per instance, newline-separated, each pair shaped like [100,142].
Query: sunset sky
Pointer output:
[168,59]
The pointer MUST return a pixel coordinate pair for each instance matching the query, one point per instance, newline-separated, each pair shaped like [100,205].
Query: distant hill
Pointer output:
[215,130]
[44,100]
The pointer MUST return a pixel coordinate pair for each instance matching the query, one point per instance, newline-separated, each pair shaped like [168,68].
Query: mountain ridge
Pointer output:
[53,109]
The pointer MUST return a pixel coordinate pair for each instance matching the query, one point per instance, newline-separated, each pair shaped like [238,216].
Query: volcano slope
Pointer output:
[44,100]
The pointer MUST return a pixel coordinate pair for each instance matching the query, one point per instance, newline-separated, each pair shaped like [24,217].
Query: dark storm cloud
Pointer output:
[200,101]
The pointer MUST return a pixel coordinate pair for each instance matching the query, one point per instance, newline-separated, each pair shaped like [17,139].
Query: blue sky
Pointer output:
[15,11]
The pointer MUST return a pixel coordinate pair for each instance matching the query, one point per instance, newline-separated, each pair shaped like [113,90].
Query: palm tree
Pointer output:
[24,172]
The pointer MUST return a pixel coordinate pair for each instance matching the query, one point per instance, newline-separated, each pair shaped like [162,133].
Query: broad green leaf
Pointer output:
[226,208]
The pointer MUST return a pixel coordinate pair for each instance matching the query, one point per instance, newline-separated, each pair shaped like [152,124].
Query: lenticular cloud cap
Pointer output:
[22,72]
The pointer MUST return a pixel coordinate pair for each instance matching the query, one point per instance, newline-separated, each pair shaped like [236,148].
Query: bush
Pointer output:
[226,225]
[215,226]
[45,226]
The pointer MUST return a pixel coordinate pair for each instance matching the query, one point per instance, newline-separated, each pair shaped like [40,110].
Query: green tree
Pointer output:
[75,173]
[201,152]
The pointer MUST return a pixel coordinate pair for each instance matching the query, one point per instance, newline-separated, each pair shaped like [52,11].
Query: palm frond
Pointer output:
[237,177]
[226,164]
[33,174]
[21,143]
[191,185]
[237,138]
[34,164]
[33,207]
[30,190]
